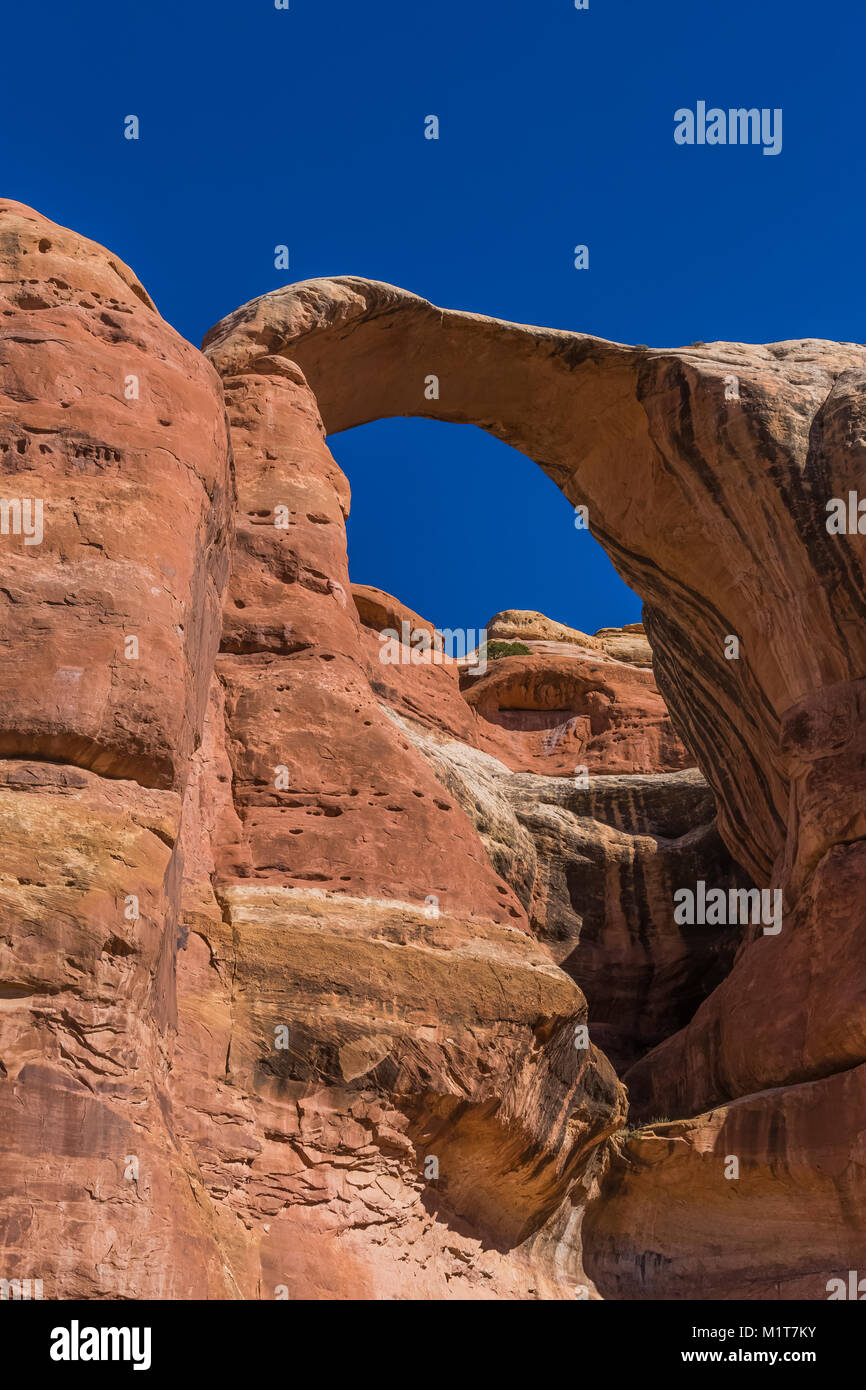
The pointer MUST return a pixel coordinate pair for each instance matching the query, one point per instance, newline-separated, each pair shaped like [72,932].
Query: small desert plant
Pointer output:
[497,649]
[631,1130]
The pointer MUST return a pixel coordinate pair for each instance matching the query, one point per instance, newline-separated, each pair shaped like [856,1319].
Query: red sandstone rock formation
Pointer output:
[293,940]
[594,858]
[676,1221]
[380,999]
[560,712]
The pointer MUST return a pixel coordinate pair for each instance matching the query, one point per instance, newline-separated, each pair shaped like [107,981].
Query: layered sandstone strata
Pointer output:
[760,1198]
[409,1109]
[596,856]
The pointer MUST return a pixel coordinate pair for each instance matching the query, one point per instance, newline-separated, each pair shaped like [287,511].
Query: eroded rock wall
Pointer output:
[109,625]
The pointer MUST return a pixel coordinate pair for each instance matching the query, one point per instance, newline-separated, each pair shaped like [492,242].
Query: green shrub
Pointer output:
[497,649]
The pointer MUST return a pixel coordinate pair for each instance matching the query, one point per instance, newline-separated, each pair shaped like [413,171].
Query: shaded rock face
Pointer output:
[310,961]
[677,1221]
[609,860]
[595,866]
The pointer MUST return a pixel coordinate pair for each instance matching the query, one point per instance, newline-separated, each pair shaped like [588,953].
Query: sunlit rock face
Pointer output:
[109,626]
[627,643]
[322,968]
[371,1087]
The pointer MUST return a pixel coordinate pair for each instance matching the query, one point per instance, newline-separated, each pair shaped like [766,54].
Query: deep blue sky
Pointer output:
[305,127]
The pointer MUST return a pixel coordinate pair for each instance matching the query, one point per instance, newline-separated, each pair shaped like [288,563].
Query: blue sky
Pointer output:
[305,127]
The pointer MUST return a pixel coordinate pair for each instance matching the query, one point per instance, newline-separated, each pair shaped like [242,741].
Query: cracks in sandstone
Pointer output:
[225,909]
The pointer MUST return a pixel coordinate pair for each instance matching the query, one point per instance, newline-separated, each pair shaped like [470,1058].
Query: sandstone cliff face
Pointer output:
[96,733]
[559,709]
[310,961]
[668,456]
[676,1219]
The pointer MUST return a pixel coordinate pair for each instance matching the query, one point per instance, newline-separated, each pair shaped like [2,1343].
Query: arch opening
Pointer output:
[459,526]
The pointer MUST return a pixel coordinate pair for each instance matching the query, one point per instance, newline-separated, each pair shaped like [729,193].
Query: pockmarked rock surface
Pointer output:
[318,961]
[113,435]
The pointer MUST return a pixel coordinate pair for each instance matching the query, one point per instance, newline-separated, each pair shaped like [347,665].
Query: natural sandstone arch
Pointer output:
[711,509]
[706,471]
